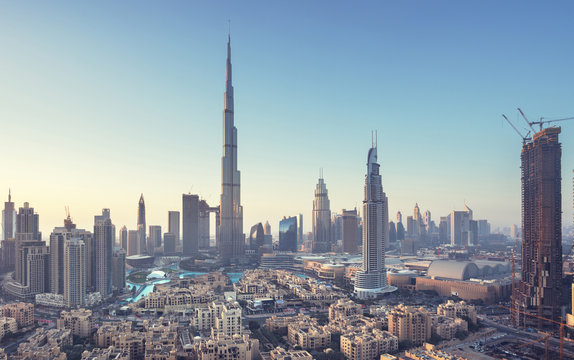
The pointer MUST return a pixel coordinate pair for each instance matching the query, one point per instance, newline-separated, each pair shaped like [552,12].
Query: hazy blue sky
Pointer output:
[101,101]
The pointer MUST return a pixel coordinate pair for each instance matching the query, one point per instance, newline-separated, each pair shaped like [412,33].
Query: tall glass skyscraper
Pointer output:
[371,279]
[288,234]
[190,224]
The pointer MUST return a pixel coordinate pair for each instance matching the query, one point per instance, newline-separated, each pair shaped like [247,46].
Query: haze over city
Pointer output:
[254,180]
[102,102]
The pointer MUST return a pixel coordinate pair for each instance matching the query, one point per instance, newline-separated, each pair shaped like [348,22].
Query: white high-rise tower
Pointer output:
[231,237]
[371,279]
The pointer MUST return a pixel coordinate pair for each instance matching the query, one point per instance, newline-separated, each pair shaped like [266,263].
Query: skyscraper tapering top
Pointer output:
[371,279]
[141,226]
[321,219]
[8,219]
[231,238]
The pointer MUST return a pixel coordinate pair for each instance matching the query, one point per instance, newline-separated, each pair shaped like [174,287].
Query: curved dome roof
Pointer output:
[493,267]
[456,270]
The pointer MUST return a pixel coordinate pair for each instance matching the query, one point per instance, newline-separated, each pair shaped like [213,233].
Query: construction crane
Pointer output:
[549,121]
[561,323]
[526,119]
[544,338]
[524,138]
[541,121]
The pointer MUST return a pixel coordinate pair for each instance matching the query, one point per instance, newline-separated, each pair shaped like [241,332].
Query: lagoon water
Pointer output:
[235,277]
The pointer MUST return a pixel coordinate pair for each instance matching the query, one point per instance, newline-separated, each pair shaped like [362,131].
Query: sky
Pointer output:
[102,101]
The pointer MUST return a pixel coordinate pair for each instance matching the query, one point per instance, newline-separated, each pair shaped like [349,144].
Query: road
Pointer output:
[9,349]
[528,336]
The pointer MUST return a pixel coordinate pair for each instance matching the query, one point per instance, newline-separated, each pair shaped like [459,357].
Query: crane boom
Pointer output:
[524,138]
[525,119]
[549,121]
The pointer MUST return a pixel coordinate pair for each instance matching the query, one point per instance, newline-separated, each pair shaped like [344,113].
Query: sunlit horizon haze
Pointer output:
[101,102]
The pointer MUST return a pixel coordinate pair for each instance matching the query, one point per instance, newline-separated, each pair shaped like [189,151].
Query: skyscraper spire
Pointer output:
[141,226]
[228,78]
[231,237]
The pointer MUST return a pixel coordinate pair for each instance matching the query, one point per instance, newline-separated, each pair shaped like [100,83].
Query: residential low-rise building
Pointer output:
[447,327]
[108,332]
[50,300]
[368,344]
[21,311]
[224,347]
[45,344]
[173,298]
[459,309]
[110,353]
[410,324]
[280,323]
[79,321]
[344,308]
[351,323]
[308,335]
[8,325]
[281,354]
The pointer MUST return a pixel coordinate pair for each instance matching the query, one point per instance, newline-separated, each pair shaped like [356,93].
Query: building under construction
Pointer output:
[538,293]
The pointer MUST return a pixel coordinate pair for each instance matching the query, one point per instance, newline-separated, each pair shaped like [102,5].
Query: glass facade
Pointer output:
[288,234]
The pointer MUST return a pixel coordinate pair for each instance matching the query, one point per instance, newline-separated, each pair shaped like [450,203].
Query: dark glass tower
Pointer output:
[539,290]
[190,224]
[288,234]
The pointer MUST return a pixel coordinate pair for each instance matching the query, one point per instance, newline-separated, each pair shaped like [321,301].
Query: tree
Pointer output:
[461,335]
[435,339]
[405,345]
[253,325]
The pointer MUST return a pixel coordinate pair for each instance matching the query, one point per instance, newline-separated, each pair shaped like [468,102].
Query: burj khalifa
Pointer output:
[231,238]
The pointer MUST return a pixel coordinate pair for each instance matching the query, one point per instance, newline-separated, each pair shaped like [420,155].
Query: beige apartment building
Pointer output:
[224,347]
[280,323]
[457,310]
[79,321]
[45,344]
[410,324]
[368,344]
[281,354]
[344,308]
[7,325]
[308,335]
[108,332]
[447,327]
[228,319]
[22,312]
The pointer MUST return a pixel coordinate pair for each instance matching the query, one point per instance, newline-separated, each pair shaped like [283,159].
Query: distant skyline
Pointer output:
[101,102]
